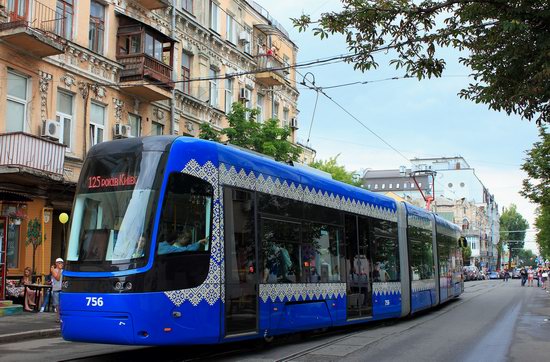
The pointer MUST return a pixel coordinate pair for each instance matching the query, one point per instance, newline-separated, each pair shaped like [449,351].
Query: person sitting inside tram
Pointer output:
[179,242]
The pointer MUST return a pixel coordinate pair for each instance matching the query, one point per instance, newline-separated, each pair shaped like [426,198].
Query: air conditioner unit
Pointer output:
[51,129]
[122,130]
[245,94]
[244,37]
[294,123]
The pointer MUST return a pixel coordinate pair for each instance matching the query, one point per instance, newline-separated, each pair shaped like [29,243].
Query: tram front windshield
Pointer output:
[113,212]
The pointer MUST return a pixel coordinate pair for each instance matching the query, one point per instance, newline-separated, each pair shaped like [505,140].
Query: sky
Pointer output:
[417,118]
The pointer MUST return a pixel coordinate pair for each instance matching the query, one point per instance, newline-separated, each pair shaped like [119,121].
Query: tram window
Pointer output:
[186,215]
[280,251]
[385,250]
[322,214]
[280,206]
[321,253]
[422,264]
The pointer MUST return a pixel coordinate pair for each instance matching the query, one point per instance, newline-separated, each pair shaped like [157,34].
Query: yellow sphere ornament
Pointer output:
[63,217]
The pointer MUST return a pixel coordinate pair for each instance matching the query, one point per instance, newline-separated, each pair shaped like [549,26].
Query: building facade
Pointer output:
[74,73]
[457,193]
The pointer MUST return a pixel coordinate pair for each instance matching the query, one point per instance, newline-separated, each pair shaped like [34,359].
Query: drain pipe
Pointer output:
[173,100]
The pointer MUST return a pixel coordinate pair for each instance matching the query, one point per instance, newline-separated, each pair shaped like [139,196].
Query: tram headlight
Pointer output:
[65,284]
[119,285]
[128,285]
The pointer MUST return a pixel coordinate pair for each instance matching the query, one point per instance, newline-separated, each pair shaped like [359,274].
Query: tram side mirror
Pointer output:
[462,242]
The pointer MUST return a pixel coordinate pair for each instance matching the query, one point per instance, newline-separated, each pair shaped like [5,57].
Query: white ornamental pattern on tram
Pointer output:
[301,291]
[274,186]
[386,288]
[209,290]
[422,285]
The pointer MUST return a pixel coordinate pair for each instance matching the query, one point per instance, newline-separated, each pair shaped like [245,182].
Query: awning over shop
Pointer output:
[13,197]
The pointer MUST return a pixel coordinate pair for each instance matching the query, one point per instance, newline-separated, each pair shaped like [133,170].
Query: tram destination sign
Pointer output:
[102,182]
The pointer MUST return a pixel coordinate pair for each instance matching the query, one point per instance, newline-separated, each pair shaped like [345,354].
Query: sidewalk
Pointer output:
[28,325]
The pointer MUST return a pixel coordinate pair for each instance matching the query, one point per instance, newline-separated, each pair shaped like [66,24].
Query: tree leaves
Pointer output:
[508,43]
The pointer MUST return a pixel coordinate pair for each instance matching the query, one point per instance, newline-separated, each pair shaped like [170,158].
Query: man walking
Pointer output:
[523,274]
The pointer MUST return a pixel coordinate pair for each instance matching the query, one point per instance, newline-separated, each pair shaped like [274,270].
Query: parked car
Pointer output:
[471,272]
[493,275]
[516,274]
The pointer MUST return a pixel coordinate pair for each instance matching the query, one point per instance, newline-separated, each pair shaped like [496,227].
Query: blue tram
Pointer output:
[176,241]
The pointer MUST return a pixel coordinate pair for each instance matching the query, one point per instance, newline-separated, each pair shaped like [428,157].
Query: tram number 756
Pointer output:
[94,301]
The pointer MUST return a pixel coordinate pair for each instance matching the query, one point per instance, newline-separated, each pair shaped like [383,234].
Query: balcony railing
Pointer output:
[140,66]
[269,70]
[35,16]
[21,149]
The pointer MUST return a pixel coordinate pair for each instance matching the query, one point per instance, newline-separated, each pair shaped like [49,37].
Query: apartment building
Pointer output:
[457,194]
[74,73]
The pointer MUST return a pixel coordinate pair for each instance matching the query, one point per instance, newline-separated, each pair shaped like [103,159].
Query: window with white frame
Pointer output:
[17,99]
[64,116]
[213,94]
[135,124]
[157,129]
[285,117]
[260,108]
[376,186]
[248,43]
[275,110]
[185,72]
[97,27]
[231,29]
[97,123]
[383,186]
[187,5]
[228,95]
[214,17]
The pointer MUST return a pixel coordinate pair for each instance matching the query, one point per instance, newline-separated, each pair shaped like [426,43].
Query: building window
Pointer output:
[214,17]
[65,117]
[275,110]
[248,43]
[186,73]
[286,64]
[260,108]
[397,186]
[228,95]
[231,29]
[153,47]
[157,129]
[97,27]
[64,24]
[97,123]
[390,186]
[419,184]
[383,186]
[17,98]
[213,93]
[135,124]
[285,117]
[376,186]
[187,5]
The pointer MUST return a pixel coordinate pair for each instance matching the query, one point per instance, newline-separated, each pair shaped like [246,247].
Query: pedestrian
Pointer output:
[523,274]
[506,275]
[544,278]
[57,280]
[530,274]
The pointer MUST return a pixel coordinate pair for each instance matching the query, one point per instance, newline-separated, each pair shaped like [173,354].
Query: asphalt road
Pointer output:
[492,321]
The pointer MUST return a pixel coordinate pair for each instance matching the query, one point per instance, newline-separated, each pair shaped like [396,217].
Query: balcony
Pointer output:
[270,70]
[146,77]
[154,4]
[32,26]
[25,153]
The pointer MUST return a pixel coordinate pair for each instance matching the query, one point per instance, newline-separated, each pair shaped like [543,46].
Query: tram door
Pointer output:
[359,273]
[241,280]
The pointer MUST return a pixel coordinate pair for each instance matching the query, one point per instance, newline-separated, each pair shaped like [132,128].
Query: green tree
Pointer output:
[542,223]
[337,171]
[536,188]
[243,131]
[34,238]
[527,258]
[466,254]
[512,231]
[505,42]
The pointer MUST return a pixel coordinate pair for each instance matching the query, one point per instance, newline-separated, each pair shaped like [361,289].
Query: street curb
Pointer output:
[17,337]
